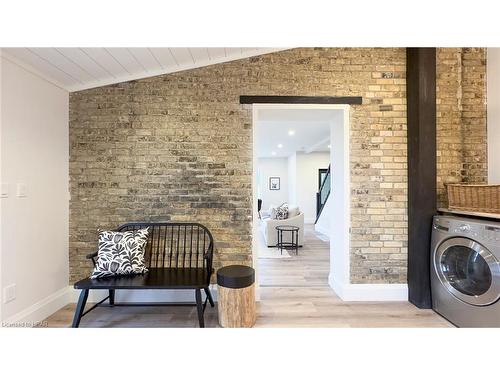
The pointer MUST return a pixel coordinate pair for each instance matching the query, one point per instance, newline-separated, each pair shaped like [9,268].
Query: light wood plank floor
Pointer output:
[309,268]
[294,293]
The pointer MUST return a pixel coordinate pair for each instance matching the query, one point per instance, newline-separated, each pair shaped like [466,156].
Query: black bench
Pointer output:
[178,256]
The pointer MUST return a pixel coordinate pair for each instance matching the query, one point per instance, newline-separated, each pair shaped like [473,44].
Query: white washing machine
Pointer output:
[465,270]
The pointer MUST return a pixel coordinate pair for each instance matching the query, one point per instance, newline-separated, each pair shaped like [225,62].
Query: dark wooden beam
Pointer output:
[421,112]
[251,99]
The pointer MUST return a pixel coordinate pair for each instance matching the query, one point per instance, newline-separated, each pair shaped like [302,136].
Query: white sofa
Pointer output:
[268,228]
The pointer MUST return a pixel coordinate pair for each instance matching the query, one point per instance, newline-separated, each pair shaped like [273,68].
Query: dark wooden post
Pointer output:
[422,196]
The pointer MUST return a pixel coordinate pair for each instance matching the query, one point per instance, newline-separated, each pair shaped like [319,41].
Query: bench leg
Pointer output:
[80,307]
[199,307]
[209,296]
[111,297]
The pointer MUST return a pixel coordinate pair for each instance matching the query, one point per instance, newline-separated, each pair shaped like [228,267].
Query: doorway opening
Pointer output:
[301,160]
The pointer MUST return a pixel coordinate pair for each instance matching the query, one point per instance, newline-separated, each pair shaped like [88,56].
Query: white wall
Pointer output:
[1,206]
[493,110]
[292,178]
[305,181]
[272,167]
[324,222]
[34,229]
[299,180]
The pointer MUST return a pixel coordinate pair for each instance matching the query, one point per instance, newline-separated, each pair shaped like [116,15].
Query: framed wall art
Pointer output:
[274,183]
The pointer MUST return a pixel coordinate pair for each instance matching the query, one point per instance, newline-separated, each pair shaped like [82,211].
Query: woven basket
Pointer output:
[476,198]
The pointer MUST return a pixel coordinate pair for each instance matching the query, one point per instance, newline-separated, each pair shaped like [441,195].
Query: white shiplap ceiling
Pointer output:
[77,69]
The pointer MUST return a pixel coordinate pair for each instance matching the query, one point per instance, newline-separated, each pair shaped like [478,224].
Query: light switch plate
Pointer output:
[4,190]
[22,190]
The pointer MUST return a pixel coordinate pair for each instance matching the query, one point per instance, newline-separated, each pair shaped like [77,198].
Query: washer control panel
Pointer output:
[467,228]
[491,233]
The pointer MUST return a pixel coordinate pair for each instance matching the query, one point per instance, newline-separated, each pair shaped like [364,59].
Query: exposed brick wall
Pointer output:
[461,117]
[179,147]
[475,164]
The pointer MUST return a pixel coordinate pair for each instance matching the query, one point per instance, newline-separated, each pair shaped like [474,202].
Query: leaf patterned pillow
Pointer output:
[121,253]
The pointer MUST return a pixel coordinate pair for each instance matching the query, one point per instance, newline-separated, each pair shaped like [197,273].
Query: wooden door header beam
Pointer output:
[278,99]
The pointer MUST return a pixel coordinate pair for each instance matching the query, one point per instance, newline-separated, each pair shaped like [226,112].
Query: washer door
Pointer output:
[468,270]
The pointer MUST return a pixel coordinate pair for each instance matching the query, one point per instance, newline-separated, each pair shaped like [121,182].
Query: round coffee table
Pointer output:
[294,233]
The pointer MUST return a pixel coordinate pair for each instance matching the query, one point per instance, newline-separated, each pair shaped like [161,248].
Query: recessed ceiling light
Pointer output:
[280,145]
[291,132]
[273,153]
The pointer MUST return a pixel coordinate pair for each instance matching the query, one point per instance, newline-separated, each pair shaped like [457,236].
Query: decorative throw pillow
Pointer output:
[293,211]
[121,253]
[272,211]
[282,212]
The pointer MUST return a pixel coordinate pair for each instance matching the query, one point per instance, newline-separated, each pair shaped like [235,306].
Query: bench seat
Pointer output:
[177,255]
[155,278]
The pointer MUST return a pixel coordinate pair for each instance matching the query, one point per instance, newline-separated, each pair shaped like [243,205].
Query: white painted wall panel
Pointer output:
[292,179]
[493,87]
[307,166]
[34,151]
[273,167]
[325,220]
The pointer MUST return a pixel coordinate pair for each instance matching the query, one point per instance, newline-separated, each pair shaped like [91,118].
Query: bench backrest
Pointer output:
[176,245]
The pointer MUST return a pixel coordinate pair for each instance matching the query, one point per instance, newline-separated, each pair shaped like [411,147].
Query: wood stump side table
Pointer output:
[236,296]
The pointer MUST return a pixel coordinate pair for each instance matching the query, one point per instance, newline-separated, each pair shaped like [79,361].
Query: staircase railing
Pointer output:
[323,194]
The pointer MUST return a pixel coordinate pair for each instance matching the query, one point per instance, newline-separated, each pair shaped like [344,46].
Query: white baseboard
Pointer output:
[40,310]
[146,295]
[369,292]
